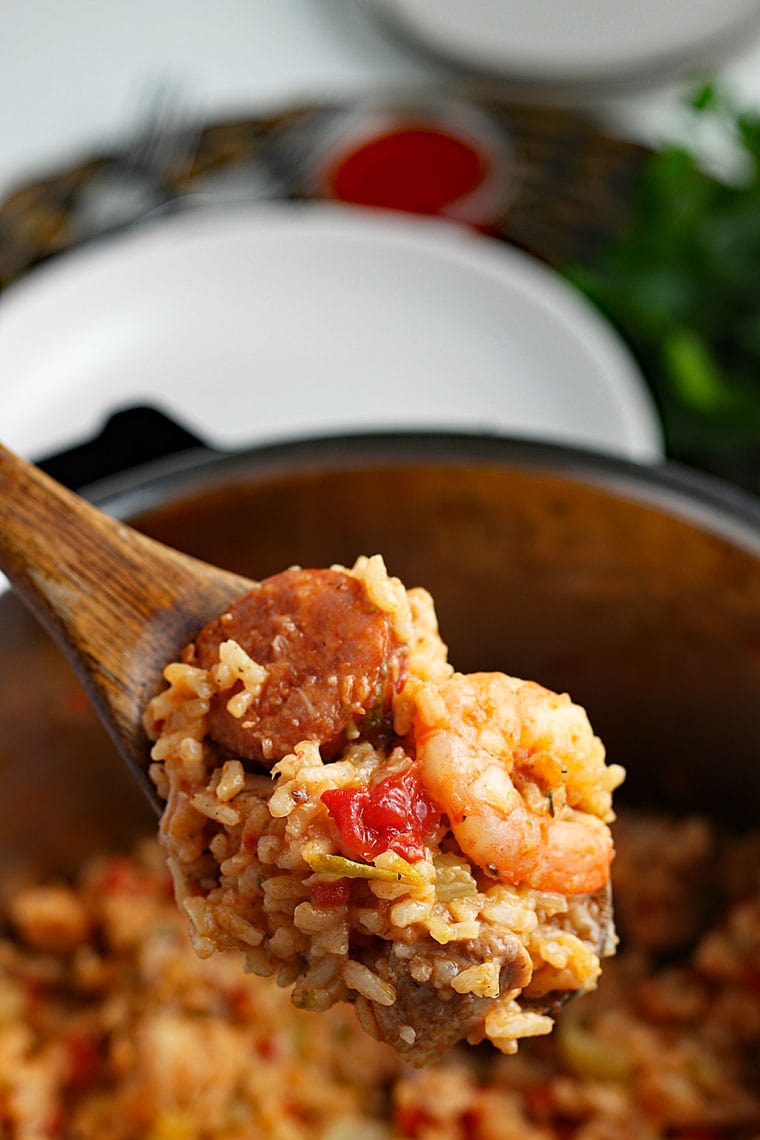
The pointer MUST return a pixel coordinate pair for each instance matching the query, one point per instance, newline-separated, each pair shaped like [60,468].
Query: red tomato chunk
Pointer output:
[83,1052]
[336,893]
[396,815]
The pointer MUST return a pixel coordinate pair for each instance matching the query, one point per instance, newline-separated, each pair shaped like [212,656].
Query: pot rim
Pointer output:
[711,503]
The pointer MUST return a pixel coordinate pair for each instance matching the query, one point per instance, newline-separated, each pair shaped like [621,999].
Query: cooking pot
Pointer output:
[636,589]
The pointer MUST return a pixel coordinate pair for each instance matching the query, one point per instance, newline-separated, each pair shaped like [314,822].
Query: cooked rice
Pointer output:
[253,857]
[111,1027]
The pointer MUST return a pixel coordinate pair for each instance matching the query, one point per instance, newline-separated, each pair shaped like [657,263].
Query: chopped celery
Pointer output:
[394,868]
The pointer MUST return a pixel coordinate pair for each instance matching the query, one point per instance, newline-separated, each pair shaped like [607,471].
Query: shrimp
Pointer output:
[522,779]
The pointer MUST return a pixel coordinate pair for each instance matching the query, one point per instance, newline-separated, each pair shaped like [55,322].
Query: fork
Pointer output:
[135,184]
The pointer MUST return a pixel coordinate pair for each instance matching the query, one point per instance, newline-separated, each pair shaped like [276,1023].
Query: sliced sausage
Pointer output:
[333,661]
[438,1017]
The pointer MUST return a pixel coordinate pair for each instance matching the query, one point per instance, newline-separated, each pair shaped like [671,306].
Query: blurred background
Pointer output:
[268,218]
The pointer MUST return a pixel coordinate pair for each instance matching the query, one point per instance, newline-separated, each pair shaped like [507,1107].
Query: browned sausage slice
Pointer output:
[333,660]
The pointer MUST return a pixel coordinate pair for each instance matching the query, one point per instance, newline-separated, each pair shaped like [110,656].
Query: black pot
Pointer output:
[636,589]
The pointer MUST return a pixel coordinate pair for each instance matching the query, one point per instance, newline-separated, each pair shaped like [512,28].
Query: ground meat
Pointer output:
[333,661]
[436,1014]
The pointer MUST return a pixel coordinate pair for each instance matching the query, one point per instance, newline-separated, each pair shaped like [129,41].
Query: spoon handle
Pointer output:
[119,604]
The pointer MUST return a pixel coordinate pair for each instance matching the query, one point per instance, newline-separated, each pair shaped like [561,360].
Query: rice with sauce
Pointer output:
[356,868]
[112,1028]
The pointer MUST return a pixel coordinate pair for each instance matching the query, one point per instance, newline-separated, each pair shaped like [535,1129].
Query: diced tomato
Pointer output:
[389,810]
[82,1057]
[121,877]
[334,893]
[539,1101]
[396,815]
[239,1002]
[267,1048]
[470,1124]
[250,840]
[411,1119]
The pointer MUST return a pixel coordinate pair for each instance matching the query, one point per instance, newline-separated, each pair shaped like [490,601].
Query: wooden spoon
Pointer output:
[120,605]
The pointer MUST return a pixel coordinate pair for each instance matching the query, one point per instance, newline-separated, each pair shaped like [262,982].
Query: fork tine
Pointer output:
[137,182]
[164,131]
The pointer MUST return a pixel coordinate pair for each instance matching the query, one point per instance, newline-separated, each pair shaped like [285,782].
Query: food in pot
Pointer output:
[370,826]
[112,1028]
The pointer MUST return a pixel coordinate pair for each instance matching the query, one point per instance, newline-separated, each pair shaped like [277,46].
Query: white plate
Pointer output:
[291,320]
[575,41]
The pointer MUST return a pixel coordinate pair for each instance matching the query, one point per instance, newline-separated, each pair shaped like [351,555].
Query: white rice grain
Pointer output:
[360,978]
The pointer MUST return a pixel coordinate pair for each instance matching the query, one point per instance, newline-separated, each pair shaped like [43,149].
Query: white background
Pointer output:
[72,72]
